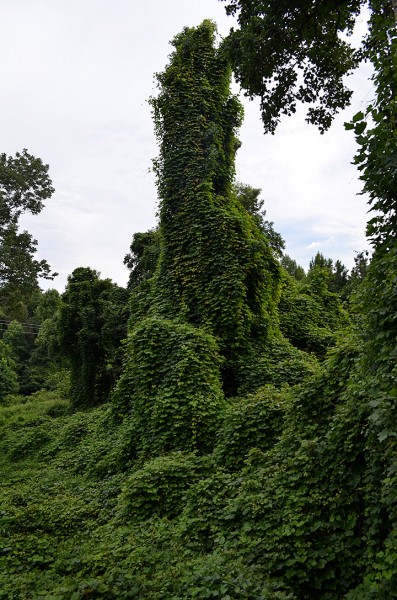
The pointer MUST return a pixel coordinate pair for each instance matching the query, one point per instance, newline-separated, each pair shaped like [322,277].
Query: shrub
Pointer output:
[171,386]
[252,422]
[158,488]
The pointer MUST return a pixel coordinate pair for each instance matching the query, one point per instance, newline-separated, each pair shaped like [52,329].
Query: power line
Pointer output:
[28,328]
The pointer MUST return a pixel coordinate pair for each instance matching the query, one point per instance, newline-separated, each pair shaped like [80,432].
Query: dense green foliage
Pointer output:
[30,347]
[216,268]
[8,375]
[91,325]
[292,267]
[24,185]
[143,257]
[171,384]
[20,345]
[287,505]
[311,314]
[285,490]
[290,52]
[249,198]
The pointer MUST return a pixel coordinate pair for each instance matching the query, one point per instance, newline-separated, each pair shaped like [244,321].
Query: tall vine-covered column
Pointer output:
[216,270]
[208,309]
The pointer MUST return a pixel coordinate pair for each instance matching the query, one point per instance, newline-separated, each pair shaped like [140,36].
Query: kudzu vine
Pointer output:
[216,269]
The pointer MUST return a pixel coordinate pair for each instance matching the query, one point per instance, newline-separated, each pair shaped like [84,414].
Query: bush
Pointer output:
[220,575]
[279,363]
[158,488]
[171,386]
[252,422]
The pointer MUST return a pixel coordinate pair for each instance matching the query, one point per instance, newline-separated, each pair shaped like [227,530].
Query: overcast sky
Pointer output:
[76,76]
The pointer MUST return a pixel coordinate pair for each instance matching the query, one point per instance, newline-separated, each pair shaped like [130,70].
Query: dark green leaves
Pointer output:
[170,387]
[289,53]
[24,185]
[91,324]
[216,268]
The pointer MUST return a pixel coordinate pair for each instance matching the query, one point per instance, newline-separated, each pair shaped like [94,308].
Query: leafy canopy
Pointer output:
[293,52]
[24,186]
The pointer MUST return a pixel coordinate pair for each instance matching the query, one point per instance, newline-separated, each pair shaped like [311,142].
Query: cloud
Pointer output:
[313,245]
[76,79]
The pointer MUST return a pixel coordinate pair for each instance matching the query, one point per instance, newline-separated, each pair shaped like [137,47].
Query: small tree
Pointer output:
[249,198]
[143,257]
[24,185]
[8,375]
[292,267]
[20,343]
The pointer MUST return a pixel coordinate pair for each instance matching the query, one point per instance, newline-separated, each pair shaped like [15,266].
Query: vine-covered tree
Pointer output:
[249,198]
[216,268]
[92,323]
[143,257]
[209,306]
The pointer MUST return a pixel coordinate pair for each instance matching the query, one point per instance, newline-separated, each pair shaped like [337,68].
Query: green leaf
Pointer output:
[383,435]
[359,128]
[358,117]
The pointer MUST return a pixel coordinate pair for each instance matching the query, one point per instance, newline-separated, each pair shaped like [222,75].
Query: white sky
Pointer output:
[76,76]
